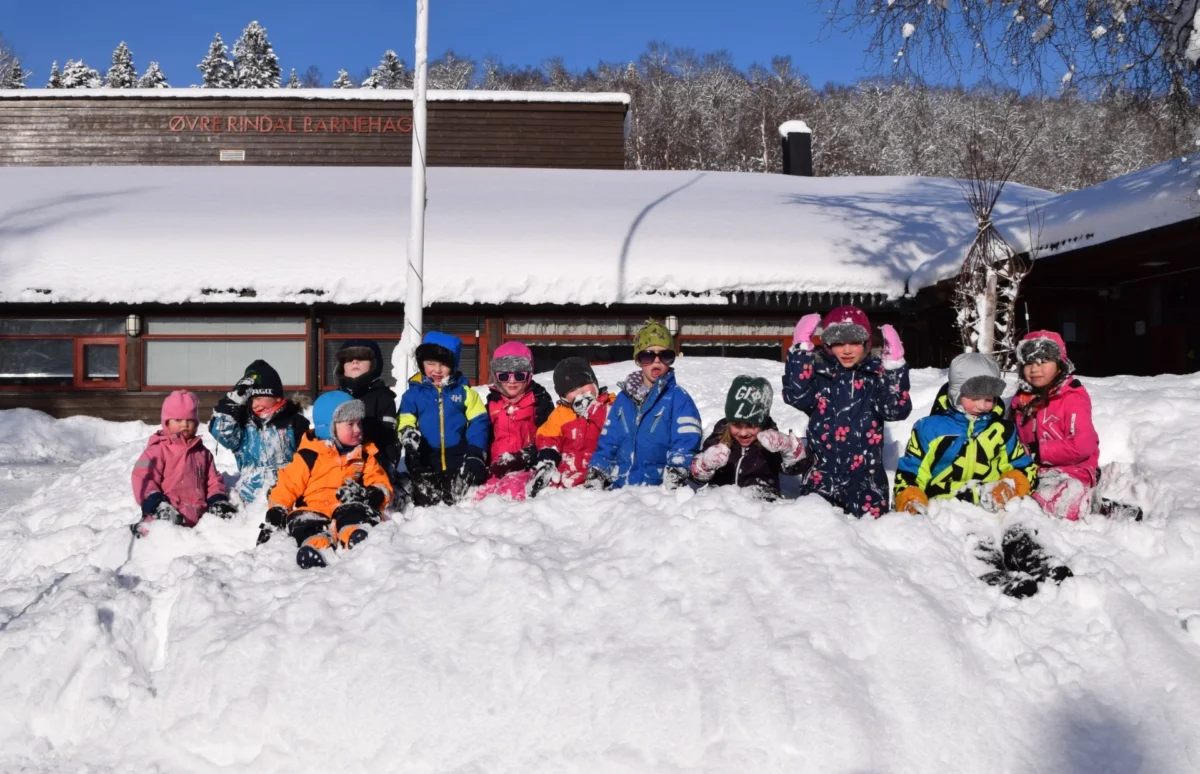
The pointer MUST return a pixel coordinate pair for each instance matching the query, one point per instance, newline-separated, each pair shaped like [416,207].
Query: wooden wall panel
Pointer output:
[114,405]
[295,132]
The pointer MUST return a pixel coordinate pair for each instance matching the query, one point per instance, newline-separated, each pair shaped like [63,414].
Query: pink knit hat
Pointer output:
[844,325]
[181,404]
[512,356]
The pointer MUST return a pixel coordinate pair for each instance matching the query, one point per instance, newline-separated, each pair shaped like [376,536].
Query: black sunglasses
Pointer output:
[512,376]
[647,357]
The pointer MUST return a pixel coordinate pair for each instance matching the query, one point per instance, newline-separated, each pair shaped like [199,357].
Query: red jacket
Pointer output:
[182,471]
[1061,435]
[574,438]
[515,423]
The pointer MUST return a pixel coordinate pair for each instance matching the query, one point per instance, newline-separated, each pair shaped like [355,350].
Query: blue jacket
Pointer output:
[453,421]
[637,443]
[949,449]
[847,408]
[260,448]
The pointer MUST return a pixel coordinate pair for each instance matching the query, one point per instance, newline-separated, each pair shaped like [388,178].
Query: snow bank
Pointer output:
[629,631]
[161,234]
[1157,196]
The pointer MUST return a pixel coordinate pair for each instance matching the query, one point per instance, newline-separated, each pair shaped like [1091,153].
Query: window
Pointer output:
[214,353]
[84,353]
[385,331]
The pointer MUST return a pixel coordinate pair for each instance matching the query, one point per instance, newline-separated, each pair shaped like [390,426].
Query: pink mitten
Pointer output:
[790,447]
[893,348]
[709,461]
[805,330]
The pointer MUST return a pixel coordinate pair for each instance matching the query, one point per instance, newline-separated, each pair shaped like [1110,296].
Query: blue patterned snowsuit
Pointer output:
[846,409]
[261,449]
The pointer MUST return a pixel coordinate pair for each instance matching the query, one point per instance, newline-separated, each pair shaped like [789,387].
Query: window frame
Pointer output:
[304,338]
[78,342]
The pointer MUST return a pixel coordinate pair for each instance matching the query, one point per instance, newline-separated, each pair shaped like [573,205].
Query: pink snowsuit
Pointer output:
[183,471]
[1063,439]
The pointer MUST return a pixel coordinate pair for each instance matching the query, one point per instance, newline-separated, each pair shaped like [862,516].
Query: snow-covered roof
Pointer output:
[374,95]
[1150,198]
[176,234]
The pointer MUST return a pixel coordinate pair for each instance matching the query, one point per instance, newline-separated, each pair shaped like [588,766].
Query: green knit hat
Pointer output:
[652,334]
[749,400]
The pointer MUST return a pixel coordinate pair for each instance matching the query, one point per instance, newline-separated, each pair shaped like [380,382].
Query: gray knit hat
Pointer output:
[350,411]
[975,375]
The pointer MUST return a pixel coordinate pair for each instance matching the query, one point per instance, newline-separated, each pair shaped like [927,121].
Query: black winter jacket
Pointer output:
[379,425]
[750,466]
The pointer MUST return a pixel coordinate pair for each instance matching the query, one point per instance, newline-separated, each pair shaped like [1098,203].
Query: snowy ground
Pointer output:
[611,632]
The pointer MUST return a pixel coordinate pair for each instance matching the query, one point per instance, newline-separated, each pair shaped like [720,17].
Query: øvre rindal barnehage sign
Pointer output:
[267,124]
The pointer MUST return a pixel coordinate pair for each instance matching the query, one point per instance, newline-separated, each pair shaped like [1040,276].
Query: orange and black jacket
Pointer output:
[311,480]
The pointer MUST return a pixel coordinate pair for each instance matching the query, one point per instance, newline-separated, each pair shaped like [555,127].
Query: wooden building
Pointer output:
[1116,270]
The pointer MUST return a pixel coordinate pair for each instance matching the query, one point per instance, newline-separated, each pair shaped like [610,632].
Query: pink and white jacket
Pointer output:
[1061,434]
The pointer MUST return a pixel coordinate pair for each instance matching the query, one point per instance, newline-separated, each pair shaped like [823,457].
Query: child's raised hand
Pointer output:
[804,331]
[893,348]
[709,461]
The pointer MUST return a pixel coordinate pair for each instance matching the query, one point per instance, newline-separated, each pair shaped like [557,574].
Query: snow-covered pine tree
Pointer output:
[55,81]
[13,77]
[77,75]
[216,69]
[389,74]
[121,74]
[342,81]
[255,65]
[153,78]
[293,80]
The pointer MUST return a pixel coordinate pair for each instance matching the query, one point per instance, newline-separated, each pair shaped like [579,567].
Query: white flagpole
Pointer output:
[414,302]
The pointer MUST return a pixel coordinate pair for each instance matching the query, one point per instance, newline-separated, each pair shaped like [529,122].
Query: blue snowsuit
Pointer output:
[260,448]
[846,409]
[638,442]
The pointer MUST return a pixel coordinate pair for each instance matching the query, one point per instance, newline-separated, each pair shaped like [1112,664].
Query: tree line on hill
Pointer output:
[700,111]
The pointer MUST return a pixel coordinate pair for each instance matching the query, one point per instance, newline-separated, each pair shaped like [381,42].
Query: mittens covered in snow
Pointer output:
[511,463]
[802,336]
[543,476]
[996,495]
[472,473]
[893,348]
[597,479]
[241,390]
[674,476]
[221,507]
[708,462]
[786,445]
[167,512]
[410,439]
[276,517]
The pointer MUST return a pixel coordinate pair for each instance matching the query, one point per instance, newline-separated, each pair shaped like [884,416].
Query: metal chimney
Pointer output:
[797,148]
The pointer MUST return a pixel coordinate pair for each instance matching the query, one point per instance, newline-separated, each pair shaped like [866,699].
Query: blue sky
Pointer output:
[353,35]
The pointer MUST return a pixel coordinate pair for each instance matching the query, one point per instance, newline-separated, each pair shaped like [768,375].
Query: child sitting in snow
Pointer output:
[516,407]
[443,425]
[848,397]
[1053,412]
[966,449]
[568,439]
[653,429]
[360,375]
[332,492]
[745,448]
[260,427]
[176,479]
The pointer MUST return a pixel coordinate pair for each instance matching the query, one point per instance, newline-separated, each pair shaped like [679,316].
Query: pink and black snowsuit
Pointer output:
[1060,435]
[180,471]
[513,437]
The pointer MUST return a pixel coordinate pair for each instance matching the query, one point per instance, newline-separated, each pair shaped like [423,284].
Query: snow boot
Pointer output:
[308,557]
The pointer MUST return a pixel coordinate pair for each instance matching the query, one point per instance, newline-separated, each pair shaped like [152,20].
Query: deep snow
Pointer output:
[628,631]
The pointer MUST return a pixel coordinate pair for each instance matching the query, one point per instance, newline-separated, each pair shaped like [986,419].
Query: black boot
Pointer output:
[308,557]
[1116,510]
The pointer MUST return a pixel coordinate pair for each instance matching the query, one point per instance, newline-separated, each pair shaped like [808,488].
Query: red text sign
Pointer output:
[218,124]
